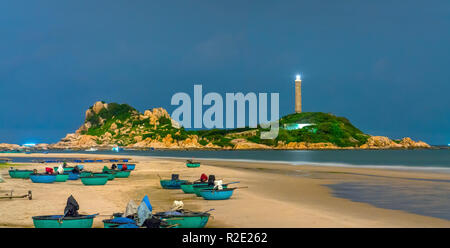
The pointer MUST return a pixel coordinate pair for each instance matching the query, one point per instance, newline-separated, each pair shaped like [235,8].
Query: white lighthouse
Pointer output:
[298,94]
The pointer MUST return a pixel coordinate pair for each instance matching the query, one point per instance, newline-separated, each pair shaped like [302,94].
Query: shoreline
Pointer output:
[295,196]
[425,169]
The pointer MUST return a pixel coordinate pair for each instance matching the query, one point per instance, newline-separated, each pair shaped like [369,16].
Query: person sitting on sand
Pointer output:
[113,166]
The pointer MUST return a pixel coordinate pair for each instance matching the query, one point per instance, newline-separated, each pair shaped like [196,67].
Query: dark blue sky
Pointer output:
[382,64]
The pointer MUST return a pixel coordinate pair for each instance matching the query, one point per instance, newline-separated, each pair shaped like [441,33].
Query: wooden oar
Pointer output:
[60,219]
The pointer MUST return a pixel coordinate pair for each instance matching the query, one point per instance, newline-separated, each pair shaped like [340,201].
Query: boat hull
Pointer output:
[110,176]
[66,169]
[224,194]
[94,180]
[197,189]
[122,174]
[189,188]
[61,177]
[73,176]
[186,221]
[172,184]
[20,173]
[129,166]
[36,178]
[193,165]
[51,221]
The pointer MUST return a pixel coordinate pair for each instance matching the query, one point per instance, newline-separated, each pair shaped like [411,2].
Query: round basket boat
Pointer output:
[116,222]
[20,173]
[42,178]
[188,188]
[73,176]
[55,221]
[122,174]
[110,176]
[193,165]
[62,177]
[85,174]
[94,180]
[211,194]
[198,188]
[185,220]
[129,166]
[172,184]
[66,169]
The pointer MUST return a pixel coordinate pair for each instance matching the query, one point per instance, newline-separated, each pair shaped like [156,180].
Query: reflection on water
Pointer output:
[429,199]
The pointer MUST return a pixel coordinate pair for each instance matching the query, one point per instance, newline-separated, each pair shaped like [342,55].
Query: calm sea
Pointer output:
[418,159]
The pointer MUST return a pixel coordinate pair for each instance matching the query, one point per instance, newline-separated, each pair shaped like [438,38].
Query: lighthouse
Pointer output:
[298,94]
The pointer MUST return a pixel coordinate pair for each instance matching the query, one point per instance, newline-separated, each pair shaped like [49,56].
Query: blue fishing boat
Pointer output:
[216,194]
[42,178]
[172,184]
[116,222]
[73,176]
[129,166]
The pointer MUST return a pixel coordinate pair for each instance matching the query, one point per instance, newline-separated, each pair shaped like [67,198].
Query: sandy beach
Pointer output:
[278,195]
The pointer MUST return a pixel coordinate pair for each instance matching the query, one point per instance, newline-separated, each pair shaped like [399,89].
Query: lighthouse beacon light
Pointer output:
[297,78]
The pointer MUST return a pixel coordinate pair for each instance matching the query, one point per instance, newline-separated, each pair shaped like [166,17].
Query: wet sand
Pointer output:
[278,195]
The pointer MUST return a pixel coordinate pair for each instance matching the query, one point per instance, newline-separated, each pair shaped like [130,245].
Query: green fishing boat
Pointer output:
[58,221]
[110,176]
[94,180]
[62,177]
[188,188]
[198,188]
[86,174]
[192,164]
[185,220]
[66,169]
[20,173]
[123,174]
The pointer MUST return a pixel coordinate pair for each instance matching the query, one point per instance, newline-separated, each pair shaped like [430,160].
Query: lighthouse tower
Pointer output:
[298,94]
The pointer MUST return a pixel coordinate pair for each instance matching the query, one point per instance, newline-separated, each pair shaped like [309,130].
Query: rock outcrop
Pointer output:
[381,142]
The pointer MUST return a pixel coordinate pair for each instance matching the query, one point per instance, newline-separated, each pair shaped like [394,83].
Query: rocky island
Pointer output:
[109,124]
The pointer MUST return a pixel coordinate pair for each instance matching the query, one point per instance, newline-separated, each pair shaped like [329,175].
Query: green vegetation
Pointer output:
[327,128]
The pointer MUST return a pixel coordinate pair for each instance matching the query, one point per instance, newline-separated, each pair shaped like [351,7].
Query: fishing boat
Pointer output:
[59,221]
[172,184]
[92,149]
[198,188]
[110,175]
[185,219]
[129,166]
[94,180]
[73,176]
[216,194]
[66,169]
[62,177]
[85,173]
[122,174]
[192,164]
[116,222]
[43,178]
[188,187]
[20,173]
